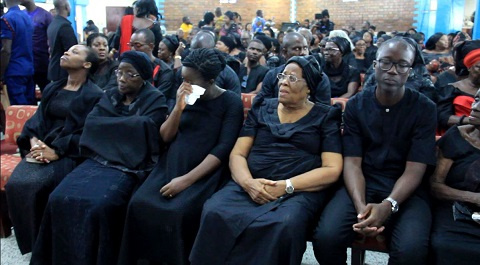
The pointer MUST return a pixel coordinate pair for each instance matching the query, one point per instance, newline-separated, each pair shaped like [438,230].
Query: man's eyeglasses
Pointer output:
[127,75]
[137,45]
[291,78]
[386,65]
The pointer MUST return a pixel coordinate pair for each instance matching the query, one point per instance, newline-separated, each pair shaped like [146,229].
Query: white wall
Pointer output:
[470,6]
[96,10]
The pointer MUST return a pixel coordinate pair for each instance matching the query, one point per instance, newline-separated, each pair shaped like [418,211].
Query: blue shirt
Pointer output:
[17,26]
[41,18]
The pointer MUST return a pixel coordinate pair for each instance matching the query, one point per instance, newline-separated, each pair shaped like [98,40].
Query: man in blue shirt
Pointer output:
[16,69]
[258,22]
[41,19]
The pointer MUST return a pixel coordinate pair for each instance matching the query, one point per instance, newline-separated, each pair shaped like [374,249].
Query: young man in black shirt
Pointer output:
[389,141]
[251,75]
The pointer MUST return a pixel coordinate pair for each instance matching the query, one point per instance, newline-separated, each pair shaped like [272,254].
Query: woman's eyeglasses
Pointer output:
[127,75]
[291,78]
[331,50]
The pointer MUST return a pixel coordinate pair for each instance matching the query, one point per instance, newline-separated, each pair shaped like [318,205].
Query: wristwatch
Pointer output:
[394,204]
[289,188]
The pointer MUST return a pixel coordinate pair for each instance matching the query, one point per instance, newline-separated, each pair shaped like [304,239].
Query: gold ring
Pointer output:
[170,195]
[41,154]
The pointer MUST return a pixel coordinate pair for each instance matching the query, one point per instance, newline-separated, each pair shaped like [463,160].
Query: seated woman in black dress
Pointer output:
[359,52]
[344,78]
[371,51]
[288,153]
[84,217]
[104,77]
[456,99]
[164,213]
[51,138]
[456,182]
[167,48]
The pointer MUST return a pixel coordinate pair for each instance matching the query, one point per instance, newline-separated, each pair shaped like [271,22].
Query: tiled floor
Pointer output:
[11,255]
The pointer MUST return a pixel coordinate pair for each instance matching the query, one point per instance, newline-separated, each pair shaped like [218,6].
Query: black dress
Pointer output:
[445,106]
[84,217]
[105,77]
[346,73]
[235,229]
[58,122]
[456,242]
[162,230]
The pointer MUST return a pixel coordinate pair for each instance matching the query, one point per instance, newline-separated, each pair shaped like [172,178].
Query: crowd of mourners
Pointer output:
[139,152]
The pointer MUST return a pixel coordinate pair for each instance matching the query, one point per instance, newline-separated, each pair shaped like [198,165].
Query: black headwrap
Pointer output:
[140,62]
[343,44]
[171,42]
[209,62]
[228,41]
[418,53]
[267,41]
[430,44]
[312,71]
[460,51]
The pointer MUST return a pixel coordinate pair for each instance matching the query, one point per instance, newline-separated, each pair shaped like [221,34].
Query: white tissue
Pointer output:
[197,92]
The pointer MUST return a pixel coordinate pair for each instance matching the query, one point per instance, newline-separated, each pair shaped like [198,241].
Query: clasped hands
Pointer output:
[263,191]
[42,152]
[371,218]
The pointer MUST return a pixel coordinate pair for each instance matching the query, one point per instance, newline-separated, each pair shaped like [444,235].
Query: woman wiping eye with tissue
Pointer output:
[200,138]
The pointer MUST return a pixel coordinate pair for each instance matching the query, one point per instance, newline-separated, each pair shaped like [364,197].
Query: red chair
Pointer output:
[247,100]
[16,116]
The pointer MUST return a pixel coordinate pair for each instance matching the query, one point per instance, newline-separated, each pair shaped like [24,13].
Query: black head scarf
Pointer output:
[430,44]
[140,62]
[343,44]
[418,53]
[228,41]
[460,51]
[312,71]
[267,41]
[171,42]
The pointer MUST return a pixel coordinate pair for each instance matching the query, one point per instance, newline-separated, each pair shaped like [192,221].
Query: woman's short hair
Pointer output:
[209,62]
[93,36]
[432,41]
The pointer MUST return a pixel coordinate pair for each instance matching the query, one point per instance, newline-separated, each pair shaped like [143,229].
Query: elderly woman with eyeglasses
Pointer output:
[344,78]
[287,155]
[84,217]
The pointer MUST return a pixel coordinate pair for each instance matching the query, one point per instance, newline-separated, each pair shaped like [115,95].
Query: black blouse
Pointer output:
[387,137]
[348,75]
[250,82]
[445,103]
[466,158]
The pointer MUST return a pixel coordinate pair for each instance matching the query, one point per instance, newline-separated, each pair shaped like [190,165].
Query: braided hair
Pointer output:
[209,62]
